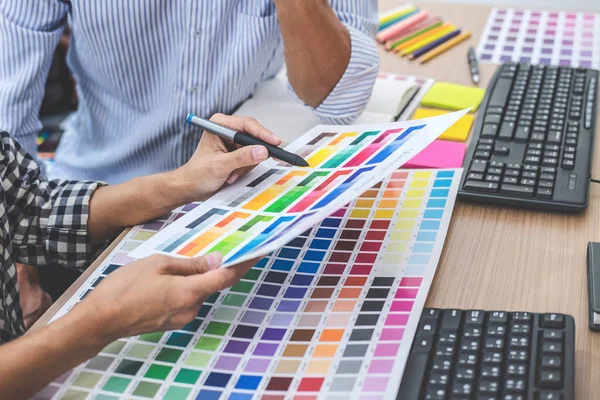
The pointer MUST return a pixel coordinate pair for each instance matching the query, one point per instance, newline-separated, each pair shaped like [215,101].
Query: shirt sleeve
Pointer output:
[48,220]
[350,96]
[29,33]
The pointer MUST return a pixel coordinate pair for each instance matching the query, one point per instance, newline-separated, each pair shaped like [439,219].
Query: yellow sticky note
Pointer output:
[451,96]
[457,132]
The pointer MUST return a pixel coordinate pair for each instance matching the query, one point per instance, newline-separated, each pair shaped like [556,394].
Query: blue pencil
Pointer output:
[433,45]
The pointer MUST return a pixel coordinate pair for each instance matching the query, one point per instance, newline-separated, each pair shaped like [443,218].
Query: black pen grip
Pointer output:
[274,151]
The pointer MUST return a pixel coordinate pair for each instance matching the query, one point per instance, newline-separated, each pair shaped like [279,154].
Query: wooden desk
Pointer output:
[501,258]
[509,259]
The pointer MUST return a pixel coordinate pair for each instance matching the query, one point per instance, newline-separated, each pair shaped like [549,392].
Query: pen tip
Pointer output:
[189,118]
[301,162]
[476,79]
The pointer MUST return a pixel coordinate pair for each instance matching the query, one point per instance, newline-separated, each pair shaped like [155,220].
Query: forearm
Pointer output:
[317,47]
[29,363]
[113,208]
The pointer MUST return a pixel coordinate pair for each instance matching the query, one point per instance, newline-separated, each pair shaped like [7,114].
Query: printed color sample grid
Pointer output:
[541,37]
[330,315]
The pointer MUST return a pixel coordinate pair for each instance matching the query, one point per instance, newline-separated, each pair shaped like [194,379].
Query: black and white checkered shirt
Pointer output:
[41,222]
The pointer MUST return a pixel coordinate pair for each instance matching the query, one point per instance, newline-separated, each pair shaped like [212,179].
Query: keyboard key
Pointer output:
[551,348]
[489,131]
[478,166]
[506,131]
[492,178]
[500,93]
[495,171]
[544,193]
[552,321]
[550,379]
[512,172]
[498,317]
[546,184]
[548,396]
[475,176]
[552,334]
[522,317]
[451,320]
[492,119]
[516,190]
[413,377]
[482,155]
[489,187]
[501,151]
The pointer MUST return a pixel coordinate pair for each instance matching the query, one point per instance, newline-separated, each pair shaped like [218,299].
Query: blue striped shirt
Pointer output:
[142,66]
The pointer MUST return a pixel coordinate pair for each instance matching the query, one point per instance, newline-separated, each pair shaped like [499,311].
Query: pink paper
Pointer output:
[439,154]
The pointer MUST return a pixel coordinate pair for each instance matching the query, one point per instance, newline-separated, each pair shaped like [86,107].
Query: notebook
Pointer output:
[275,108]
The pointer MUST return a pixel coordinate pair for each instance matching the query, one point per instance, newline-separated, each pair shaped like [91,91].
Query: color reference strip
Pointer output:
[541,37]
[331,314]
[338,161]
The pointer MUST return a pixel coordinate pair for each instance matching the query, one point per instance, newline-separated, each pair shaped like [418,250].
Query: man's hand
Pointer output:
[217,161]
[157,293]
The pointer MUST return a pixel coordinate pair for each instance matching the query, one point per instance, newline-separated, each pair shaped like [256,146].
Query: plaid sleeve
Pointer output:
[48,219]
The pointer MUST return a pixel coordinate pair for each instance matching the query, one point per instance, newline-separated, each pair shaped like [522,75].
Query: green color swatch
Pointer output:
[114,347]
[129,367]
[177,393]
[199,360]
[168,355]
[75,395]
[242,287]
[157,371]
[179,339]
[253,274]
[188,376]
[212,298]
[116,384]
[234,300]
[208,343]
[87,379]
[139,350]
[151,337]
[217,328]
[226,314]
[146,389]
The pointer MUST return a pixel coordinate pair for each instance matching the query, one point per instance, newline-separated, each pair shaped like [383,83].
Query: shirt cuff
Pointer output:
[67,240]
[351,94]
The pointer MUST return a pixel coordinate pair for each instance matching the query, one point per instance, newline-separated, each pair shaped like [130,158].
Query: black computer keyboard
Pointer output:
[491,355]
[533,139]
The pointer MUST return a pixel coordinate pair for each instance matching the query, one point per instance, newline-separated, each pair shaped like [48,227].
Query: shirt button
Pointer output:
[193,89]
[198,32]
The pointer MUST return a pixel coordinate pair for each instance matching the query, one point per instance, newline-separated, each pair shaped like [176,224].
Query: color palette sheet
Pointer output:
[331,315]
[541,37]
[275,203]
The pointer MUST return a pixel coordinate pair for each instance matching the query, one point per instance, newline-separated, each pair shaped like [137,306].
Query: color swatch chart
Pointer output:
[541,37]
[331,315]
[275,203]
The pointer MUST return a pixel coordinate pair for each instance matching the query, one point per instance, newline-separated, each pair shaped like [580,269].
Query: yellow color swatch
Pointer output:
[419,183]
[360,213]
[321,155]
[401,235]
[384,214]
[397,246]
[408,214]
[405,223]
[364,203]
[422,175]
[388,203]
[459,132]
[393,258]
[412,203]
[415,193]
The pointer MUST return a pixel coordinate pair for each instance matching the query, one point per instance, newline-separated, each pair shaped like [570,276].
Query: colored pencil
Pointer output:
[429,25]
[398,19]
[400,27]
[446,46]
[395,13]
[426,41]
[422,36]
[434,44]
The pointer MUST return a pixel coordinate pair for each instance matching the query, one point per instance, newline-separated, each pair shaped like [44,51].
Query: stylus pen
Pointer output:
[246,140]
[473,65]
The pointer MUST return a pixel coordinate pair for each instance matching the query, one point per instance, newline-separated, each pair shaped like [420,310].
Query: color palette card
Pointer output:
[330,315]
[541,37]
[275,203]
